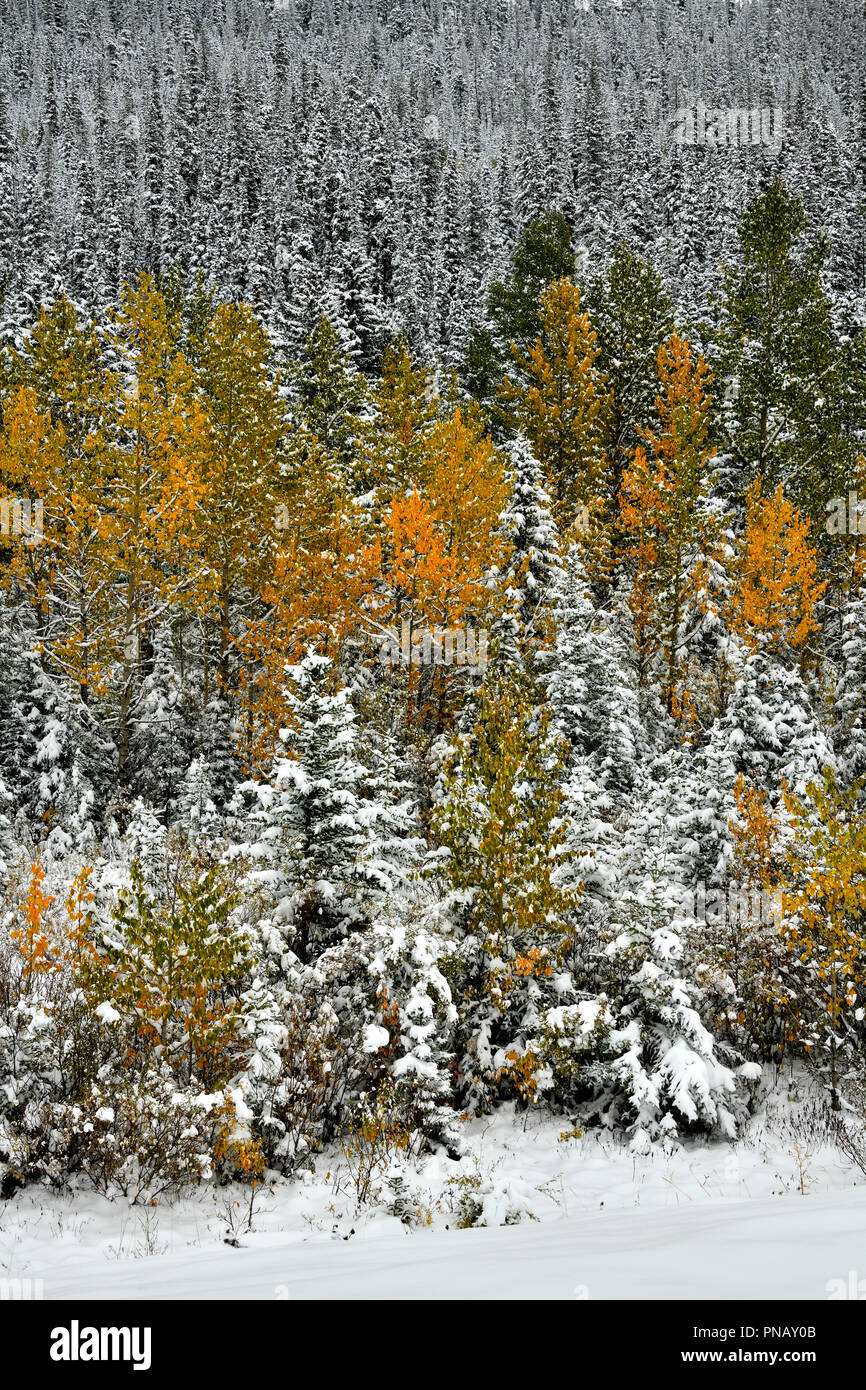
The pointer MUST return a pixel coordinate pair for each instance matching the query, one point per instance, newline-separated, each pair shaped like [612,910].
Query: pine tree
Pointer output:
[785,418]
[590,685]
[322,828]
[406,406]
[632,314]
[163,735]
[331,394]
[771,729]
[172,961]
[528,525]
[850,695]
[665,1064]
[542,255]
[7,843]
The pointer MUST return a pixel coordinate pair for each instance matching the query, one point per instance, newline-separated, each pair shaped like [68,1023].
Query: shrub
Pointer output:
[141,1137]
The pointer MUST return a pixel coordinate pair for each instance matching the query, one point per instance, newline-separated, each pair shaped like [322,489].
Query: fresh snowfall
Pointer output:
[433,631]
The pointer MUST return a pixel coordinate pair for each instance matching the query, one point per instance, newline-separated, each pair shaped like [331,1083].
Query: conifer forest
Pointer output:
[433,632]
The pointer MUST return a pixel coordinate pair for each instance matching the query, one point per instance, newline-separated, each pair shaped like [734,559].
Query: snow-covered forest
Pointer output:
[432,591]
[378,161]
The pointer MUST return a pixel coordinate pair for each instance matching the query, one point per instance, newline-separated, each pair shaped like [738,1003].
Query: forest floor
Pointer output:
[776,1215]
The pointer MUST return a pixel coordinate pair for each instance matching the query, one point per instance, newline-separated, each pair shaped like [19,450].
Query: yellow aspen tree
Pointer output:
[237,471]
[440,547]
[668,530]
[160,431]
[31,938]
[750,945]
[434,488]
[392,445]
[59,440]
[62,572]
[428,586]
[31,468]
[502,826]
[824,908]
[466,480]
[778,590]
[558,398]
[64,362]
[324,571]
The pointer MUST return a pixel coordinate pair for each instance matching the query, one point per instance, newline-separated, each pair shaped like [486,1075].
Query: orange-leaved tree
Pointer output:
[748,943]
[775,602]
[31,937]
[441,545]
[324,570]
[824,914]
[57,447]
[152,492]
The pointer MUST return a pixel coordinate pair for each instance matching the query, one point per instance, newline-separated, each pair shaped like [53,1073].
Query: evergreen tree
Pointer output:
[543,254]
[323,828]
[528,525]
[787,417]
[590,686]
[330,392]
[632,314]
[667,1070]
[163,734]
[771,729]
[557,397]
[850,695]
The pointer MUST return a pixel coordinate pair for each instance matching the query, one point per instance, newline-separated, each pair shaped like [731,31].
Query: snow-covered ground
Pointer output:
[571,1218]
[790,1249]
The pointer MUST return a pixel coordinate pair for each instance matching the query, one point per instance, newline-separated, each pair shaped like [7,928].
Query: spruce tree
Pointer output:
[786,417]
[590,684]
[632,314]
[849,731]
[528,525]
[328,836]
[543,254]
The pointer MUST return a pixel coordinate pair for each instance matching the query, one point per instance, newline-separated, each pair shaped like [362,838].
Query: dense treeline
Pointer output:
[376,748]
[378,161]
